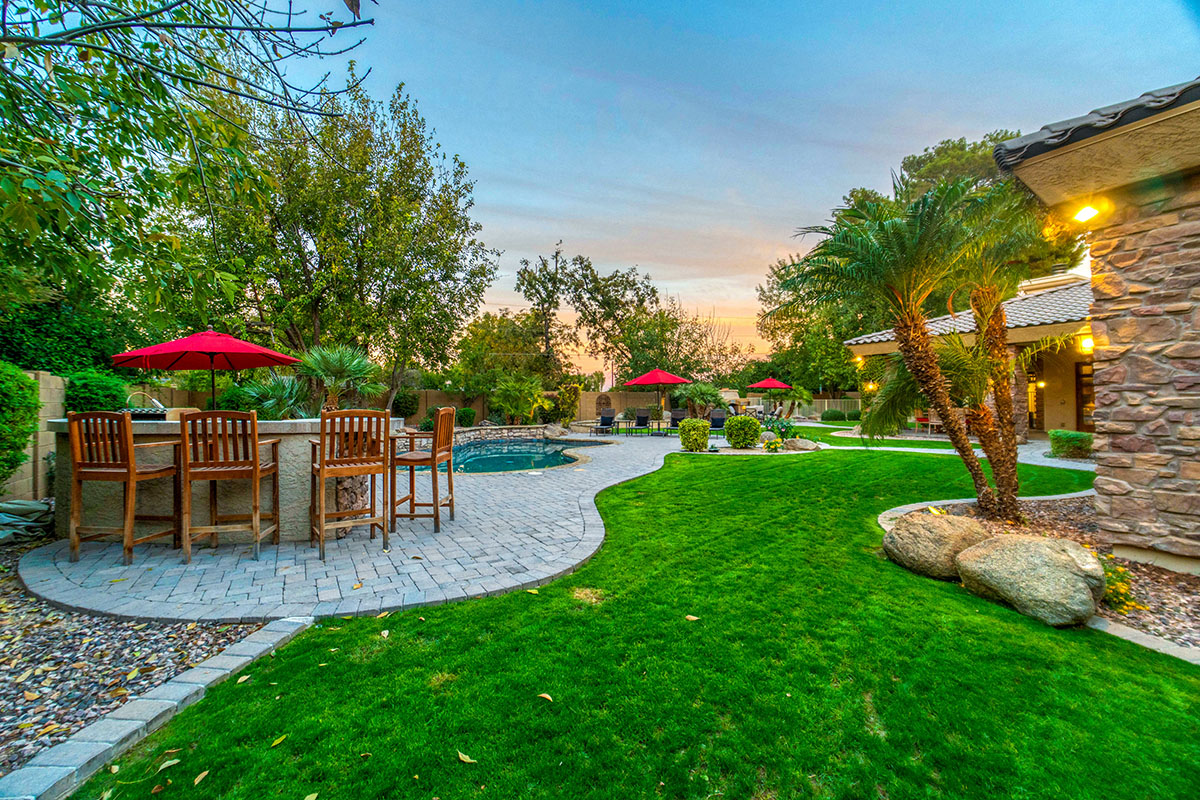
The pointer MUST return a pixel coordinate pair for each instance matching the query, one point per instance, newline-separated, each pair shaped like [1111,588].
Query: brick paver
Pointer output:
[512,530]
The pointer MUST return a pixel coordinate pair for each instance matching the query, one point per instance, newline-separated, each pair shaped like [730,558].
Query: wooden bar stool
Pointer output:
[102,449]
[224,446]
[441,451]
[352,443]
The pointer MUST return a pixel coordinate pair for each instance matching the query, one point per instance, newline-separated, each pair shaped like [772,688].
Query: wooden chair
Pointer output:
[224,446]
[441,451]
[102,449]
[352,443]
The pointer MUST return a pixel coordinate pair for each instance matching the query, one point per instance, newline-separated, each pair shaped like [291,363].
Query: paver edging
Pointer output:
[59,770]
[887,521]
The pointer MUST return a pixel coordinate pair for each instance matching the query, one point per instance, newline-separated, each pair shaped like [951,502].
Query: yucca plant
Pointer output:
[341,370]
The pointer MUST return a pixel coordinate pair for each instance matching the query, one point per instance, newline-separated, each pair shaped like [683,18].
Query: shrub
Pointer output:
[783,428]
[854,415]
[405,403]
[693,435]
[279,397]
[93,390]
[18,417]
[833,415]
[235,398]
[773,446]
[1070,444]
[519,398]
[566,404]
[742,432]
[465,417]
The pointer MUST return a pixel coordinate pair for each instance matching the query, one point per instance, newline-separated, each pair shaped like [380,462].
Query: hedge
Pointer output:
[19,406]
[742,432]
[465,417]
[1070,444]
[405,403]
[833,415]
[693,435]
[93,390]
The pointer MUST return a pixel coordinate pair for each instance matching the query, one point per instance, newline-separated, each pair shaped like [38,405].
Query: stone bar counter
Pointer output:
[102,500]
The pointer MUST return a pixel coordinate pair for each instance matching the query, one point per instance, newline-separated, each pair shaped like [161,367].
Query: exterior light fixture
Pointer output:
[1041,384]
[1086,345]
[870,387]
[1086,213]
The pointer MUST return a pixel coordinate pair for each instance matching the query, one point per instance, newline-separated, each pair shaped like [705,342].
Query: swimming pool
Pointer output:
[510,455]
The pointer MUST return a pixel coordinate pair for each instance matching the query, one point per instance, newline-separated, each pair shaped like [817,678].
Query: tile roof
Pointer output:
[1012,152]
[1070,303]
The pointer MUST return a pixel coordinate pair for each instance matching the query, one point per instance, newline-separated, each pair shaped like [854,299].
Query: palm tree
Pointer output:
[279,397]
[519,397]
[341,370]
[898,254]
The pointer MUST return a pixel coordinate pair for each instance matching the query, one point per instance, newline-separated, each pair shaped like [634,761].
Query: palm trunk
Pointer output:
[917,351]
[1003,455]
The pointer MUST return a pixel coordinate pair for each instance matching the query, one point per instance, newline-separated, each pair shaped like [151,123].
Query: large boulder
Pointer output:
[553,431]
[1056,581]
[927,543]
[800,444]
[767,436]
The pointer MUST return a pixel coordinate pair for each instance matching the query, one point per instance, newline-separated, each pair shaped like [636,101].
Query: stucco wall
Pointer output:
[1146,325]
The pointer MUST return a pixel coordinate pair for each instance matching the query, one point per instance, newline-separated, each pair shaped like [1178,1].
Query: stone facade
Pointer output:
[1146,326]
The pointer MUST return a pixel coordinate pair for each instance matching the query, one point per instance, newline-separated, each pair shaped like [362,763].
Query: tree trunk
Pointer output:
[993,332]
[917,351]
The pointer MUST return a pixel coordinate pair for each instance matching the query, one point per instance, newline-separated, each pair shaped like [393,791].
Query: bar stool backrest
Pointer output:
[101,440]
[443,432]
[220,438]
[355,437]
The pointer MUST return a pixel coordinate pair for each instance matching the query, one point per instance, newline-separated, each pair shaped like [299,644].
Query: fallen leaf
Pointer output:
[322,665]
[169,752]
[382,614]
[114,769]
[107,793]
[243,679]
[364,755]
[166,765]
[30,696]
[690,618]
[357,586]
[384,634]
[118,580]
[277,741]
[23,676]
[532,591]
[466,759]
[334,649]
[417,558]
[546,697]
[421,619]
[157,789]
[199,778]
[133,673]
[312,796]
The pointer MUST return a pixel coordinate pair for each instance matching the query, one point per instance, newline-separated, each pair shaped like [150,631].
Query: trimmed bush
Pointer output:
[1070,444]
[235,398]
[833,415]
[405,403]
[19,406]
[742,432]
[854,415]
[566,404]
[93,390]
[693,435]
[465,417]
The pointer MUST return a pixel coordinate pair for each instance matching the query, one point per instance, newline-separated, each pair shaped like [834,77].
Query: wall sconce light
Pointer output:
[1086,345]
[1086,213]
[870,387]
[1041,384]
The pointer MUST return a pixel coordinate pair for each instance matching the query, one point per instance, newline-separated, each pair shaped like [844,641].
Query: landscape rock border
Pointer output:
[58,770]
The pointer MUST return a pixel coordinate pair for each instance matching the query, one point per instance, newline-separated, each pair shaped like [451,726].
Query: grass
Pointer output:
[815,669]
[818,435]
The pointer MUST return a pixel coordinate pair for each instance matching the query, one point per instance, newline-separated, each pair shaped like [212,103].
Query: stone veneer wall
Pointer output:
[1146,326]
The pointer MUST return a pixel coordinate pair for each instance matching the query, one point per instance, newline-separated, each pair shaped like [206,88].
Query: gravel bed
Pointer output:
[60,670]
[1172,599]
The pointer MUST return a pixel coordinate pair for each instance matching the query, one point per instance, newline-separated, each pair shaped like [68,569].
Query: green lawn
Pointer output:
[818,435]
[815,669]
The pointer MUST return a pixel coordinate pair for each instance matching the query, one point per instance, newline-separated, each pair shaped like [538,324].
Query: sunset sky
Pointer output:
[692,139]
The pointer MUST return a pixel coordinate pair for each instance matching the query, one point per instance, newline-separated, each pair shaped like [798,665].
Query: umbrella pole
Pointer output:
[212,380]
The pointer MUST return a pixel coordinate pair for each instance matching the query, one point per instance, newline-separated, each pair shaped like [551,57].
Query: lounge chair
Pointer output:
[641,422]
[605,426]
[677,415]
[716,422]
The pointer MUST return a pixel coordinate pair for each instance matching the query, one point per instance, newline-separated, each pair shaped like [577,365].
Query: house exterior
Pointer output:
[1056,390]
[1129,175]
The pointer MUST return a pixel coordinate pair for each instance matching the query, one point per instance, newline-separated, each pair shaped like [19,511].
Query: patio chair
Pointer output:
[641,422]
[441,451]
[677,416]
[716,422]
[606,422]
[352,443]
[224,446]
[102,449]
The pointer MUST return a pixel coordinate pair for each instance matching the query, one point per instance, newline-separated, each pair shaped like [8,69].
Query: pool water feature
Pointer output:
[511,455]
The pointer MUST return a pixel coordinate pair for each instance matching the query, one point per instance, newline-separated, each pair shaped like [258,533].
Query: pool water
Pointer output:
[512,455]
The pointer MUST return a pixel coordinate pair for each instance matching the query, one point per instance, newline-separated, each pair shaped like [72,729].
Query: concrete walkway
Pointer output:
[513,530]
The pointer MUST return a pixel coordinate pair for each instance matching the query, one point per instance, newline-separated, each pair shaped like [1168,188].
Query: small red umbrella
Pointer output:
[657,379]
[769,383]
[208,350]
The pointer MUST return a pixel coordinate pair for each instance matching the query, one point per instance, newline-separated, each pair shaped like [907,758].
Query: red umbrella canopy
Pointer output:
[769,383]
[205,350]
[656,377]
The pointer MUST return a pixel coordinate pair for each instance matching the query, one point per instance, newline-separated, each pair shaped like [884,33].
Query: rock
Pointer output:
[767,436]
[800,444]
[927,543]
[553,431]
[1055,581]
[485,423]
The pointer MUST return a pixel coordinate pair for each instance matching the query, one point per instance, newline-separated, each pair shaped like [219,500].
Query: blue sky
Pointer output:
[691,139]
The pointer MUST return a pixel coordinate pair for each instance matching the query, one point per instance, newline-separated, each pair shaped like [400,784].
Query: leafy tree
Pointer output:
[699,398]
[93,390]
[495,344]
[109,113]
[543,283]
[610,308]
[341,370]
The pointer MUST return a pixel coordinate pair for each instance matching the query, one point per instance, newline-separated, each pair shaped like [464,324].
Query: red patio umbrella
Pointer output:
[657,379]
[769,383]
[208,350]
